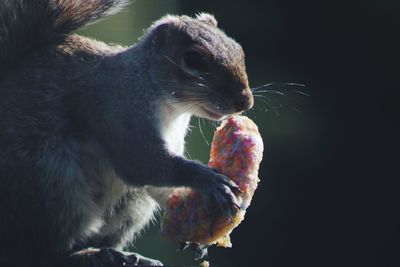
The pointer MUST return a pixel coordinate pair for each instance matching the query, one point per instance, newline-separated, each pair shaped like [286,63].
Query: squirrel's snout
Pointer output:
[245,101]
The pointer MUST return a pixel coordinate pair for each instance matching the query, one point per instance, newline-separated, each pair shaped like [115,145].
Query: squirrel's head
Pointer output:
[197,66]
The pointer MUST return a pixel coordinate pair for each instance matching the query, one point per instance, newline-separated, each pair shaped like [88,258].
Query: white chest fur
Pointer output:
[173,126]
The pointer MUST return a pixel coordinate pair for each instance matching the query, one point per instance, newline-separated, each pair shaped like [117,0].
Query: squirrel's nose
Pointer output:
[245,101]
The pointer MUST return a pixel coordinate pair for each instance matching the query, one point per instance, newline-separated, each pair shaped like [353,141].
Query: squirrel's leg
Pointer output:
[121,224]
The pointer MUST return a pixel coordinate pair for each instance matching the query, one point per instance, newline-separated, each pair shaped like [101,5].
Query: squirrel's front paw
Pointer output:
[222,191]
[200,250]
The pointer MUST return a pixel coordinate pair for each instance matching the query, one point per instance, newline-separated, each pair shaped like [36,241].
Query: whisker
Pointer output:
[187,72]
[202,120]
[187,153]
[293,84]
[302,93]
[258,89]
[201,132]
[259,96]
[202,85]
[262,86]
[178,82]
[272,91]
[266,103]
[214,124]
[278,84]
[296,109]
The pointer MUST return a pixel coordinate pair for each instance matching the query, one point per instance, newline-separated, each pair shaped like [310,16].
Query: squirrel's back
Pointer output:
[27,25]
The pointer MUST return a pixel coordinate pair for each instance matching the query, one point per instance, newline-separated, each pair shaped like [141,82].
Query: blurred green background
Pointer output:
[315,178]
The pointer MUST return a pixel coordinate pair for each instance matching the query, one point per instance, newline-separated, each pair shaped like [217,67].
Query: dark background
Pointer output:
[328,194]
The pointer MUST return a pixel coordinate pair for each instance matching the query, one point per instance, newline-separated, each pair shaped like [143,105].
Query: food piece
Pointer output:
[204,264]
[236,151]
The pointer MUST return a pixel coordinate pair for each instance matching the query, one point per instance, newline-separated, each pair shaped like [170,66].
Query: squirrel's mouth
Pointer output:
[212,114]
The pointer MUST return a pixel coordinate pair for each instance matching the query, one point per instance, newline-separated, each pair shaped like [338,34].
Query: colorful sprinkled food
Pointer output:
[236,151]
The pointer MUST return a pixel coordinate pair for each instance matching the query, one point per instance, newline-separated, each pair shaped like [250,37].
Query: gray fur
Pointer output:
[26,25]
[92,135]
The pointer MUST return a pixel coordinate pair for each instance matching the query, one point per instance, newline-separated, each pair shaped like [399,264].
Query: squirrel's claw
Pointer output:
[200,251]
[183,246]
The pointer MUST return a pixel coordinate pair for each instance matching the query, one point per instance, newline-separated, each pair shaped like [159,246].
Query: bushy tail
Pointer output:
[26,25]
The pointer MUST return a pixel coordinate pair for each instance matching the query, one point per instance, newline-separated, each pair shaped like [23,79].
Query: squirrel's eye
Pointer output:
[194,60]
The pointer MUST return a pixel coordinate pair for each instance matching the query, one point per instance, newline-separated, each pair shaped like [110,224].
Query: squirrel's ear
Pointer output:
[207,18]
[160,30]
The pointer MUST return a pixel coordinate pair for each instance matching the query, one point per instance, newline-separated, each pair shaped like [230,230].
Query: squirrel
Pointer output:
[91,134]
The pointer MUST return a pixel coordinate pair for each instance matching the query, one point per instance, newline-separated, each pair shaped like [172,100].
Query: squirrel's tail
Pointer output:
[28,24]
